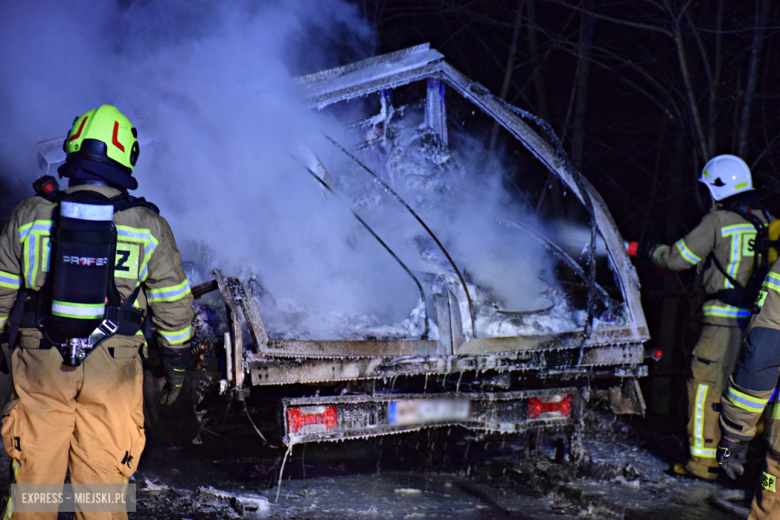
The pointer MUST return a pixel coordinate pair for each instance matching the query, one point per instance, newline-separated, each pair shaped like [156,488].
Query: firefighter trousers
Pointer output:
[87,419]
[714,359]
[766,504]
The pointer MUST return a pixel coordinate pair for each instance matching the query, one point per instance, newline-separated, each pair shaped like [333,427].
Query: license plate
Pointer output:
[417,411]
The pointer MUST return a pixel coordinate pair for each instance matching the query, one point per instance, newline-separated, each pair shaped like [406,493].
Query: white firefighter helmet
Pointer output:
[726,175]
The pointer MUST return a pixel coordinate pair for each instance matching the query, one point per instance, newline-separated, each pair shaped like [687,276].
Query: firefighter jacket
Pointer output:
[753,385]
[146,255]
[729,238]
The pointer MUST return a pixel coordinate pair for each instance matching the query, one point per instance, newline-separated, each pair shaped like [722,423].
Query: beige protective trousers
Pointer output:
[766,504]
[714,359]
[88,419]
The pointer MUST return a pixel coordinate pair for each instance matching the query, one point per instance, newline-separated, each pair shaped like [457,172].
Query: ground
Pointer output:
[432,474]
[447,473]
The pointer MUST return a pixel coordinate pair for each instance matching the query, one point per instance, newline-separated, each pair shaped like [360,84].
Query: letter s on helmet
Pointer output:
[103,135]
[726,175]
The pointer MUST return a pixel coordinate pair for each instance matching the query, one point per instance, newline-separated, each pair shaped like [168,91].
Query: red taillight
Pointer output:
[298,418]
[564,406]
[537,407]
[657,354]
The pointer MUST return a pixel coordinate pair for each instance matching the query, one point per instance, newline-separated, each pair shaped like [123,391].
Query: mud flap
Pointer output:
[627,398]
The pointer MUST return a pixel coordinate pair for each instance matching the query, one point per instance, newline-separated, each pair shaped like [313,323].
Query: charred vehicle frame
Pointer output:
[494,384]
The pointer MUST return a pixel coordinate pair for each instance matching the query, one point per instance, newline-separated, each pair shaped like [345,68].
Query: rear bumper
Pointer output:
[318,419]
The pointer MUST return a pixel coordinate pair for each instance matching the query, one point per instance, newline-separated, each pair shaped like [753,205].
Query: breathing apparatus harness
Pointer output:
[79,305]
[739,295]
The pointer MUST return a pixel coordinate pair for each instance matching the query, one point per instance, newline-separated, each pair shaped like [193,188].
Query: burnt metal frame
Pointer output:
[420,63]
[609,350]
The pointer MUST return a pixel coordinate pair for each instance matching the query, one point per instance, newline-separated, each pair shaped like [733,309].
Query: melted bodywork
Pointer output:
[609,350]
[565,362]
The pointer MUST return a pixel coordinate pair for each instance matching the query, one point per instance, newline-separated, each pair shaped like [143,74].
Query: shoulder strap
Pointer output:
[16,316]
[720,267]
[722,270]
[761,247]
[126,201]
[746,212]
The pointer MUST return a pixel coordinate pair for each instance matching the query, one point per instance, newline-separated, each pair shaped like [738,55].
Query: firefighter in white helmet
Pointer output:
[724,248]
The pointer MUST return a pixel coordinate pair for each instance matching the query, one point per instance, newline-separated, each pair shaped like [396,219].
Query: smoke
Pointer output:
[574,238]
[209,85]
[460,193]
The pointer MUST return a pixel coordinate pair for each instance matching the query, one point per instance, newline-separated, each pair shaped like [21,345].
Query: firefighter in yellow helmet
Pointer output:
[724,249]
[81,270]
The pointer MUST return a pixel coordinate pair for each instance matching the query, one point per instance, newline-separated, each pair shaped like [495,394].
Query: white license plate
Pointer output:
[417,411]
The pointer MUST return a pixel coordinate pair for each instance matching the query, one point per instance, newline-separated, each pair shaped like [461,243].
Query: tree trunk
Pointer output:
[762,11]
[583,74]
[538,77]
[510,65]
[552,183]
[715,83]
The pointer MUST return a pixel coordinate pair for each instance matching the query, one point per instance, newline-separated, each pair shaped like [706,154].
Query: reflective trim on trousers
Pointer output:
[9,506]
[705,453]
[698,425]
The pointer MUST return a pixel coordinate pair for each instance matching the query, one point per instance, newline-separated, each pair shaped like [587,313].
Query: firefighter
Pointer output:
[80,269]
[750,389]
[722,247]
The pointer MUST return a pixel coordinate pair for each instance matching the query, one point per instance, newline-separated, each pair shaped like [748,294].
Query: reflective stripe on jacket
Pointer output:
[730,238]
[753,386]
[146,255]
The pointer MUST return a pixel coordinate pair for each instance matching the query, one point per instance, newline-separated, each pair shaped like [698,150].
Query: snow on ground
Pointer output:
[435,474]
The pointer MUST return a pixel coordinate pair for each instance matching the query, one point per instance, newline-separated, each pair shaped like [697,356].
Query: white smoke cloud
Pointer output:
[211,83]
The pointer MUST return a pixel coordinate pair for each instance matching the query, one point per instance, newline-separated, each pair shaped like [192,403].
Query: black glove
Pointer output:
[640,249]
[646,248]
[174,362]
[731,456]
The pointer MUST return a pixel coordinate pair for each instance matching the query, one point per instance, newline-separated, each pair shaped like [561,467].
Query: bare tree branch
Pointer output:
[686,75]
[614,20]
